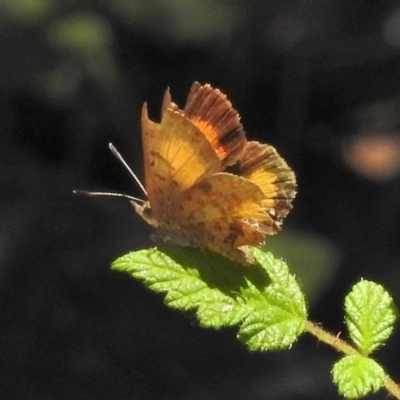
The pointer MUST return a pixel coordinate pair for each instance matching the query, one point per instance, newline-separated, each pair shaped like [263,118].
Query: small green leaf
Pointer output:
[370,315]
[357,376]
[266,300]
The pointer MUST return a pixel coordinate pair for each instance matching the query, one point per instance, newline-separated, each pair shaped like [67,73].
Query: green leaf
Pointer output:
[279,318]
[357,376]
[265,300]
[370,315]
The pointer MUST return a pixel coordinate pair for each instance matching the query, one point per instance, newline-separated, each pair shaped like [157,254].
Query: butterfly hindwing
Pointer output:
[222,213]
[262,165]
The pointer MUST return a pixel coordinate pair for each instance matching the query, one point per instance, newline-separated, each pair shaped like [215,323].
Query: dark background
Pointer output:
[319,79]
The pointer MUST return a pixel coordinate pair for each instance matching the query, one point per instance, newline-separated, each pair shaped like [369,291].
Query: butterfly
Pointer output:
[207,186]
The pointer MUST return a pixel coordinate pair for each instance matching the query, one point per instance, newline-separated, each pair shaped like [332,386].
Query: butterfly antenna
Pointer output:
[126,196]
[117,154]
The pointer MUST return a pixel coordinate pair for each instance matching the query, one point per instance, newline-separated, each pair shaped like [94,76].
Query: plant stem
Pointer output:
[331,339]
[345,348]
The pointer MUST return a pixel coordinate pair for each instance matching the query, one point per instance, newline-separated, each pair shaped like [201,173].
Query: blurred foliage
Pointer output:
[194,21]
[25,12]
[314,260]
[85,43]
[64,43]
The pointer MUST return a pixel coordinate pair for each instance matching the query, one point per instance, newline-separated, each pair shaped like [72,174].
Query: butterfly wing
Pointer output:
[262,165]
[223,213]
[210,110]
[176,156]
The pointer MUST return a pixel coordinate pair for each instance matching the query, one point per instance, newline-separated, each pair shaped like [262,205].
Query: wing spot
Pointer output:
[205,187]
[191,217]
[211,238]
[160,177]
[235,232]
[217,227]
[155,154]
[200,201]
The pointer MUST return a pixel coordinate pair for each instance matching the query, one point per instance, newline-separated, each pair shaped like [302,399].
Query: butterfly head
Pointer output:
[144,210]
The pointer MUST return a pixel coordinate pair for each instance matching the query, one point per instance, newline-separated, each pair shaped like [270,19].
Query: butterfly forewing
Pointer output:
[176,156]
[210,110]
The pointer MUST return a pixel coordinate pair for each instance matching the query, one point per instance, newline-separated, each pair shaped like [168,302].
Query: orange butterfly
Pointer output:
[207,186]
